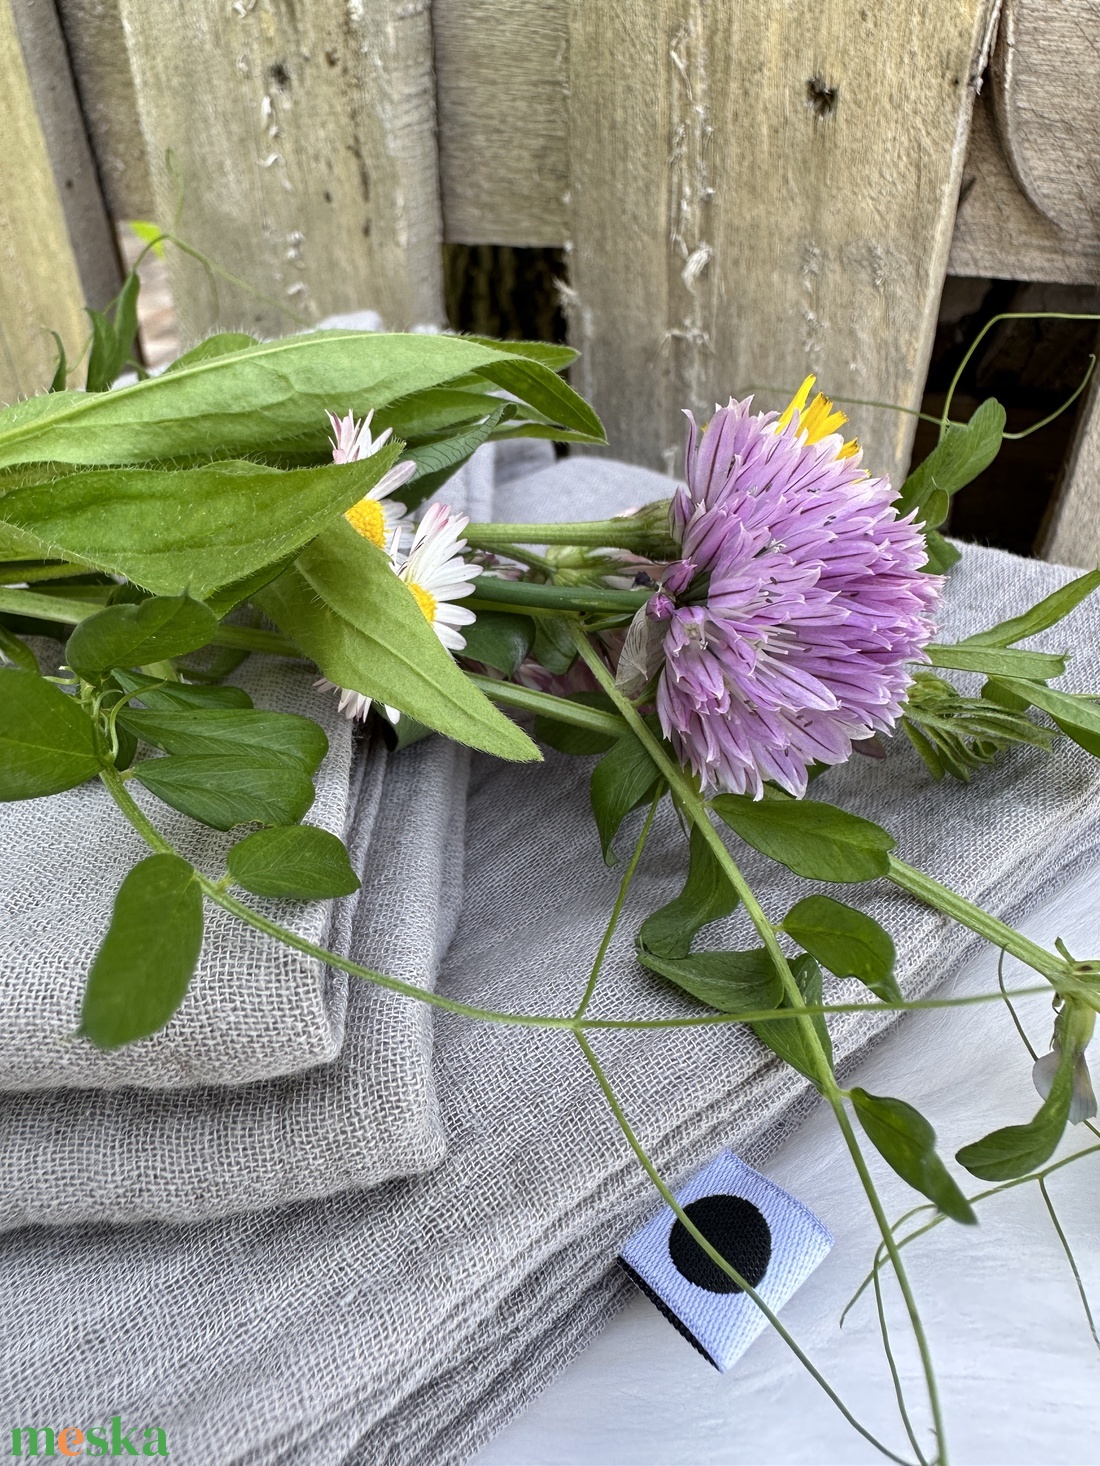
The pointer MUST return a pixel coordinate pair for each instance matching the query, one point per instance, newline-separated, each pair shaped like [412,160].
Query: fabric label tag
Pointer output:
[771,1239]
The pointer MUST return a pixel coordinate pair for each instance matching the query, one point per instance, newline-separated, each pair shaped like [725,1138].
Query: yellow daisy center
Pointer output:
[367,519]
[424,599]
[818,420]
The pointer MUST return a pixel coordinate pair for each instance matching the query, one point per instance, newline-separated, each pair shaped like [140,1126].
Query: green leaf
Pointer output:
[787,1036]
[545,391]
[814,840]
[942,554]
[1013,1151]
[17,652]
[963,453]
[297,861]
[229,732]
[225,343]
[229,789]
[707,896]
[113,340]
[550,353]
[1077,716]
[134,635]
[437,462]
[259,399]
[436,411]
[142,969]
[568,738]
[1044,614]
[167,696]
[499,639]
[996,661]
[554,647]
[343,605]
[622,780]
[151,234]
[907,1142]
[61,370]
[732,982]
[192,530]
[848,942]
[47,740]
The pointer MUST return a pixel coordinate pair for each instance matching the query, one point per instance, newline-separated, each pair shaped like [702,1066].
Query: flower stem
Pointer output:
[561,709]
[493,590]
[692,803]
[616,910]
[628,533]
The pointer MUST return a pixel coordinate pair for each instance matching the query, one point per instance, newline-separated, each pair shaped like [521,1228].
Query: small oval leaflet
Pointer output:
[47,740]
[144,965]
[815,840]
[297,861]
[228,790]
[135,635]
[848,942]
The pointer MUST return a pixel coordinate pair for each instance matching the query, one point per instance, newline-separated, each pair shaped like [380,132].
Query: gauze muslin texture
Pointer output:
[407,1323]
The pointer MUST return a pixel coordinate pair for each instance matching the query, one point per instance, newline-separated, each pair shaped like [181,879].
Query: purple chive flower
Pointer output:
[797,604]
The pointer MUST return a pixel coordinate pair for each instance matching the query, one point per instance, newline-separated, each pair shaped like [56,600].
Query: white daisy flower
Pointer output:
[377,518]
[438,576]
[354,704]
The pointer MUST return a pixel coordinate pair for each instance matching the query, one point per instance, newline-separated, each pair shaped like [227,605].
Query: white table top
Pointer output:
[1019,1372]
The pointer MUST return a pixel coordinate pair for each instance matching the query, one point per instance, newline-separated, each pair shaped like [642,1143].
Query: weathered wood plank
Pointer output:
[502,69]
[97,48]
[1073,531]
[754,198]
[74,168]
[304,137]
[40,288]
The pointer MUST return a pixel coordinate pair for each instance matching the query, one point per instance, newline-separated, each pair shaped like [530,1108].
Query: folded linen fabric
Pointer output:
[253,1010]
[405,1324]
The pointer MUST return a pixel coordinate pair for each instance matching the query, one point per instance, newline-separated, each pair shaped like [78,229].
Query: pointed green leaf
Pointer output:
[499,639]
[343,605]
[907,1142]
[848,942]
[1076,715]
[624,779]
[732,982]
[17,652]
[224,790]
[966,451]
[225,343]
[142,969]
[787,1037]
[135,635]
[190,529]
[545,391]
[210,732]
[47,740]
[61,370]
[1016,1149]
[164,697]
[707,896]
[436,462]
[996,661]
[1044,614]
[814,840]
[297,861]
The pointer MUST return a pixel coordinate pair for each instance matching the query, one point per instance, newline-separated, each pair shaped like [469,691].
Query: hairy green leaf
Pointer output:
[707,896]
[113,340]
[343,605]
[907,1142]
[134,635]
[848,942]
[282,737]
[545,391]
[256,400]
[225,343]
[1016,1149]
[436,462]
[195,529]
[47,740]
[814,840]
[224,790]
[296,861]
[142,969]
[622,780]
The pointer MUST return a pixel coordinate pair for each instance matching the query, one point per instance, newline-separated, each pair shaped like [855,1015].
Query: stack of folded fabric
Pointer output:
[309,1223]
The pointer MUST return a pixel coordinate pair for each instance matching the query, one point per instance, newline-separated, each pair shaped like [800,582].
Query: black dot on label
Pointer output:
[736,1228]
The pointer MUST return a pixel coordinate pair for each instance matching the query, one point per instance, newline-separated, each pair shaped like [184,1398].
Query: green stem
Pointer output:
[628,533]
[493,591]
[616,910]
[17,574]
[561,709]
[715,1256]
[692,802]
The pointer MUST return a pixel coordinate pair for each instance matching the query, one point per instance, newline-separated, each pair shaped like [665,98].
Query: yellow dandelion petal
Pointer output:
[796,404]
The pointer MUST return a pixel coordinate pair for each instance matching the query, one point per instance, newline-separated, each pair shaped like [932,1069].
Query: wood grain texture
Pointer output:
[755,198]
[40,287]
[74,167]
[1073,532]
[999,232]
[97,48]
[304,137]
[502,78]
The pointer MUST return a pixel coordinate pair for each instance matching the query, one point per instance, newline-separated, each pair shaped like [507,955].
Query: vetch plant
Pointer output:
[777,615]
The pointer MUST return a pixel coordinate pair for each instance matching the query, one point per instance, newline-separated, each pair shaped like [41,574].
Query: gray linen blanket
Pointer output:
[406,1323]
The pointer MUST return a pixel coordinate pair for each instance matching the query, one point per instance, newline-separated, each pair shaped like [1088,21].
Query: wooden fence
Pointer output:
[746,190]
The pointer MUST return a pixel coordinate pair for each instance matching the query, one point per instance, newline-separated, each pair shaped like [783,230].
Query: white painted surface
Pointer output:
[1019,1373]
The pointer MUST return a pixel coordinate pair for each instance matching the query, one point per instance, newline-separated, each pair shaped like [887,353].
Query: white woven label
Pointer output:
[768,1236]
